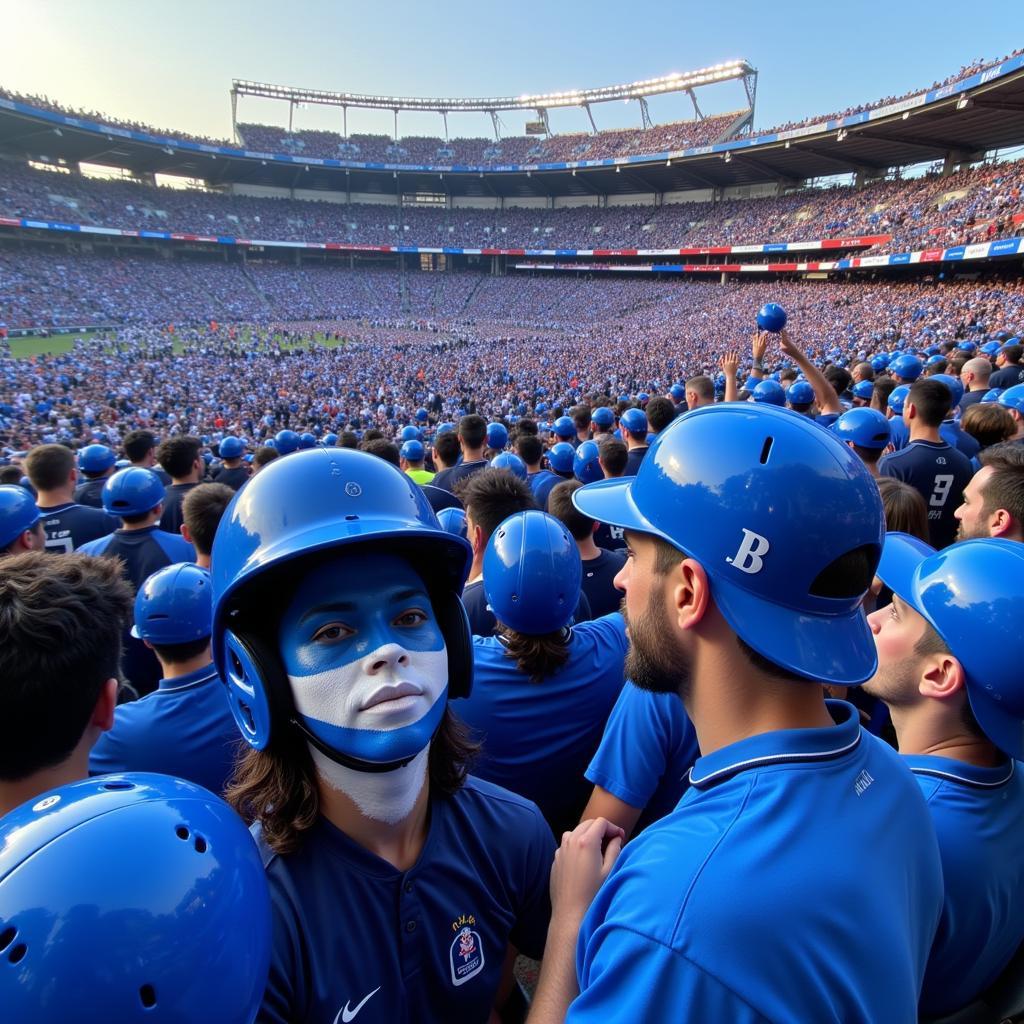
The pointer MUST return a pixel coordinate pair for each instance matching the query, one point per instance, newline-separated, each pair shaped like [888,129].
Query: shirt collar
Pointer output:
[783,746]
[189,680]
[960,771]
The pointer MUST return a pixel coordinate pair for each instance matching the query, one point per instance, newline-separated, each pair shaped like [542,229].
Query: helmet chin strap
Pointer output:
[355,763]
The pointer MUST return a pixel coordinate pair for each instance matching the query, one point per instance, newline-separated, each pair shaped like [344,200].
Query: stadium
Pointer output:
[383,511]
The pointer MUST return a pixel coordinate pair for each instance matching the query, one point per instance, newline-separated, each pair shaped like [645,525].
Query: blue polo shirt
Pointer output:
[353,934]
[798,880]
[979,819]
[183,728]
[534,733]
[646,753]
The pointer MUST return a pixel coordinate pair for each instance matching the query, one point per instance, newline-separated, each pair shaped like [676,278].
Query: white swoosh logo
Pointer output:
[345,1014]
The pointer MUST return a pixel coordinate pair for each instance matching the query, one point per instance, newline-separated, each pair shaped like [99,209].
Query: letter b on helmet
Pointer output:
[749,557]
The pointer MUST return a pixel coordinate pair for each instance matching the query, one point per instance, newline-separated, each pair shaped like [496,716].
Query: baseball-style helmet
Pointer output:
[898,398]
[561,457]
[955,385]
[771,317]
[603,418]
[992,395]
[174,605]
[769,392]
[934,360]
[412,451]
[70,885]
[991,348]
[497,436]
[422,415]
[678,392]
[643,398]
[785,519]
[864,427]
[122,463]
[96,458]
[453,520]
[411,433]
[1013,398]
[287,441]
[863,390]
[585,465]
[879,362]
[799,392]
[972,594]
[321,502]
[967,346]
[18,513]
[511,462]
[564,427]
[329,440]
[906,367]
[231,448]
[532,573]
[132,492]
[634,420]
[307,440]
[444,428]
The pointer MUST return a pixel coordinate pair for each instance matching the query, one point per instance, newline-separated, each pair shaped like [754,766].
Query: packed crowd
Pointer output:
[933,211]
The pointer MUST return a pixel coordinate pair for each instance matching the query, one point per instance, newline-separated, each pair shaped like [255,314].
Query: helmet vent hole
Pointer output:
[7,937]
[250,724]
[351,518]
[17,954]
[200,844]
[236,665]
[182,833]
[766,449]
[147,996]
[118,785]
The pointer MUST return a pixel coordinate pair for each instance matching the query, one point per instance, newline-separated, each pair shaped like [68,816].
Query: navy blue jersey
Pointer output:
[541,484]
[798,879]
[598,574]
[1007,377]
[354,935]
[439,498]
[953,434]
[646,753]
[979,819]
[448,478]
[90,493]
[165,477]
[142,551]
[610,538]
[183,728]
[972,398]
[534,733]
[940,473]
[231,476]
[69,526]
[172,518]
[481,619]
[633,459]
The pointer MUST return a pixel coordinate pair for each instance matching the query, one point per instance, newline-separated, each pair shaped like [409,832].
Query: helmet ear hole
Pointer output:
[255,685]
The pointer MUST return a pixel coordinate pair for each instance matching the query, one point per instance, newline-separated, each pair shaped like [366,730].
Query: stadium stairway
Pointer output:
[255,288]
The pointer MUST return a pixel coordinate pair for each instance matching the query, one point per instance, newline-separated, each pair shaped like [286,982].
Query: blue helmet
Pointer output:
[866,428]
[643,398]
[453,520]
[542,407]
[585,465]
[422,415]
[122,463]
[564,427]
[678,392]
[174,605]
[991,348]
[906,367]
[70,885]
[132,492]
[603,418]
[231,448]
[898,398]
[497,436]
[771,317]
[532,573]
[18,513]
[934,360]
[768,502]
[561,457]
[879,362]
[635,421]
[207,457]
[955,385]
[412,451]
[992,395]
[863,390]
[444,428]
[799,392]
[287,441]
[972,594]
[411,433]
[316,503]
[96,458]
[307,440]
[967,346]
[769,392]
[329,440]
[1013,398]
[512,463]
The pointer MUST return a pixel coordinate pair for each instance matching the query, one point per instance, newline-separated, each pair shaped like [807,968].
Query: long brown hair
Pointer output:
[537,657]
[905,509]
[277,786]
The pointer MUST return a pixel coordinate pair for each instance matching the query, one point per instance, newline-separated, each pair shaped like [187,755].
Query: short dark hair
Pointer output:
[561,507]
[177,454]
[372,434]
[11,474]
[384,449]
[1012,353]
[347,439]
[490,497]
[446,447]
[613,455]
[932,399]
[61,620]
[702,386]
[839,377]
[660,413]
[1005,487]
[177,653]
[530,449]
[48,466]
[883,388]
[473,431]
[930,369]
[581,417]
[138,444]
[201,510]
[264,455]
[527,426]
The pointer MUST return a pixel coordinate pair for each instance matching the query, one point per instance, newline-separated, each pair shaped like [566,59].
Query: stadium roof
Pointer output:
[982,113]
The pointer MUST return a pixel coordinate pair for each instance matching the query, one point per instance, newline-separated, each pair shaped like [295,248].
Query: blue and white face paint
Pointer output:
[368,669]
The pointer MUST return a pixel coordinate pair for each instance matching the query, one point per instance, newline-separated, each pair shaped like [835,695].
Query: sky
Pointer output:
[169,63]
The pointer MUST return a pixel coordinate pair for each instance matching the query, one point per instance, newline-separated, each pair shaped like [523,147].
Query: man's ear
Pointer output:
[942,677]
[479,541]
[690,593]
[183,529]
[103,712]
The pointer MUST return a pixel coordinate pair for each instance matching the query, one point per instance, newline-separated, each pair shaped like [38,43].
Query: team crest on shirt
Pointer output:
[466,953]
